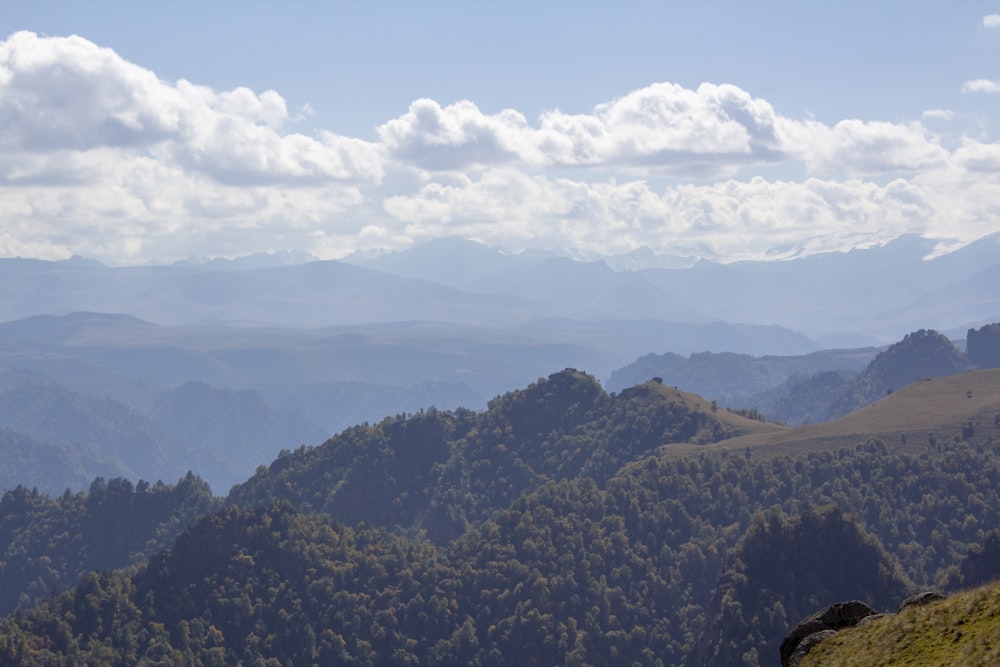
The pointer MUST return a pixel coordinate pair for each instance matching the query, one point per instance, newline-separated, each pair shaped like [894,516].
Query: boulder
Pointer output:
[834,617]
[870,619]
[806,645]
[920,599]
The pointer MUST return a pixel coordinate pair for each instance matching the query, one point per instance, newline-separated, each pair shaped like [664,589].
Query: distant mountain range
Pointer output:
[850,299]
[116,395]
[841,299]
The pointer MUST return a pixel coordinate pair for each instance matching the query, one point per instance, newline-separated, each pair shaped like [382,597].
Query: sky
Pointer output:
[138,132]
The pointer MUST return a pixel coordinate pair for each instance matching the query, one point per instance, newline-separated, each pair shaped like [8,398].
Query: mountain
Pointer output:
[450,261]
[883,289]
[858,298]
[57,438]
[258,260]
[442,472]
[920,354]
[106,434]
[737,379]
[337,376]
[310,294]
[562,525]
[51,468]
[227,433]
[815,387]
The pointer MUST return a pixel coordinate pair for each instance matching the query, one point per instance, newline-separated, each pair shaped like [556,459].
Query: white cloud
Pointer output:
[938,114]
[68,94]
[981,86]
[666,124]
[855,147]
[730,219]
[977,156]
[457,136]
[991,21]
[714,131]
[717,127]
[100,157]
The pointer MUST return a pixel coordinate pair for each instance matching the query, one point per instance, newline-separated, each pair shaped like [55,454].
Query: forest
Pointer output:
[556,527]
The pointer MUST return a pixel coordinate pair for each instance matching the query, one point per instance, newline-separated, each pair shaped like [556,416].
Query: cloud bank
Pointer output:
[101,157]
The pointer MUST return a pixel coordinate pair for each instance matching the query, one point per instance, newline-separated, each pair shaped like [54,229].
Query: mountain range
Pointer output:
[850,299]
[481,501]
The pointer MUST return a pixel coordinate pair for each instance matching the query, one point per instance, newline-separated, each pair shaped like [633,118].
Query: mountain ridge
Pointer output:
[881,291]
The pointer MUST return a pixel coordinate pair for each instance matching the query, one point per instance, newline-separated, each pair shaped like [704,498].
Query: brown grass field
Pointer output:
[905,420]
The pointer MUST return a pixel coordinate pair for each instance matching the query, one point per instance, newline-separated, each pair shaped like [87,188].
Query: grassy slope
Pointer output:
[962,630]
[938,406]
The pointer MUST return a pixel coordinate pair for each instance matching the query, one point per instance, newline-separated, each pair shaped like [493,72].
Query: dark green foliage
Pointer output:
[784,569]
[444,471]
[570,573]
[573,543]
[47,543]
[981,565]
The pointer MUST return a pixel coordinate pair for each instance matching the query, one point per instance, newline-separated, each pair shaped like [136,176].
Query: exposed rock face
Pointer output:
[833,618]
[983,346]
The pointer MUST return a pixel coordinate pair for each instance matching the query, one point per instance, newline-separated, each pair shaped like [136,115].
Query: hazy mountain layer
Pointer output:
[848,299]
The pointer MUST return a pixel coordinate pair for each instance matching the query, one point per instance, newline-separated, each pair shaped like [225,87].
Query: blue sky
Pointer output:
[729,130]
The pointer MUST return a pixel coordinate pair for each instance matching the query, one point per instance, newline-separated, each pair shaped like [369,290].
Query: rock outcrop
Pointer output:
[828,621]
[919,600]
[823,623]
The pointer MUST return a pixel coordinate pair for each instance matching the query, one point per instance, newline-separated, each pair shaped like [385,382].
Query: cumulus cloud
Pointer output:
[855,147]
[666,124]
[977,156]
[981,86]
[457,136]
[68,94]
[662,126]
[991,21]
[714,131]
[100,157]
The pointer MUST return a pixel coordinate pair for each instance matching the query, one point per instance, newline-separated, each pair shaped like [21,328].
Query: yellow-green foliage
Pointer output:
[962,630]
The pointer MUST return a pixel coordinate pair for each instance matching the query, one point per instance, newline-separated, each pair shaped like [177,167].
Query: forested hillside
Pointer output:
[47,543]
[560,532]
[442,472]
